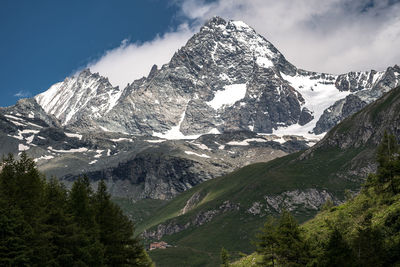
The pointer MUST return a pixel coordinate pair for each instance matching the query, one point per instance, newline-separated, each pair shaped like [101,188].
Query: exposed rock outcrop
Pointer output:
[203,217]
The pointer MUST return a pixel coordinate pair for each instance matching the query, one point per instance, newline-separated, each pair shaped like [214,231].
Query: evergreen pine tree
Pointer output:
[388,164]
[58,227]
[89,247]
[80,203]
[368,244]
[22,186]
[116,233]
[268,242]
[282,243]
[21,189]
[337,252]
[15,237]
[291,250]
[392,244]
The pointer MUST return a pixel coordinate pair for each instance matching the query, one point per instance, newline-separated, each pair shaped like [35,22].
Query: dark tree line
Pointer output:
[347,241]
[44,224]
[281,244]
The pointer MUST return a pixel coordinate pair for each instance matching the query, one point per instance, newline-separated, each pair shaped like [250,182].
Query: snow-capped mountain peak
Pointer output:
[85,94]
[230,37]
[226,78]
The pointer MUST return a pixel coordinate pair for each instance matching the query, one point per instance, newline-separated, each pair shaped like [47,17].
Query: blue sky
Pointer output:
[43,41]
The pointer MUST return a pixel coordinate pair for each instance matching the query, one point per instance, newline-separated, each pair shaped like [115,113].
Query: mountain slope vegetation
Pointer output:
[225,213]
[364,231]
[234,229]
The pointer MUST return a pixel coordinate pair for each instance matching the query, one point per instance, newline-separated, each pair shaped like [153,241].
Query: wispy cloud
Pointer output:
[334,36]
[23,94]
[131,61]
[331,35]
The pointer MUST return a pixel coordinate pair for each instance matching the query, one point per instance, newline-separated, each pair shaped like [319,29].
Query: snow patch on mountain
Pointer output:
[229,96]
[121,139]
[264,62]
[377,76]
[201,146]
[198,155]
[29,139]
[22,147]
[319,94]
[246,142]
[50,98]
[45,157]
[256,44]
[72,150]
[74,135]
[13,117]
[99,153]
[175,132]
[155,141]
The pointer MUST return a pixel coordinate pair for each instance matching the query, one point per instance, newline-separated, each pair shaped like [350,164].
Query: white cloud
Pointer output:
[131,61]
[333,36]
[22,94]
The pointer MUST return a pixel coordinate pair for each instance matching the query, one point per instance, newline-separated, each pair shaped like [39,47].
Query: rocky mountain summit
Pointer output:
[226,78]
[86,94]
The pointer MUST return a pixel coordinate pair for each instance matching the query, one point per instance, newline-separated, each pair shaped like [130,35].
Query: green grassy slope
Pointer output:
[253,182]
[141,210]
[352,213]
[235,230]
[330,166]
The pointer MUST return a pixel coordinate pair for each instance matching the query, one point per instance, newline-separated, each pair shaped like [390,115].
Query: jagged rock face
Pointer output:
[224,72]
[367,127]
[150,175]
[294,201]
[226,78]
[268,103]
[309,199]
[202,217]
[27,127]
[138,168]
[339,111]
[86,94]
[355,81]
[368,86]
[192,202]
[29,109]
